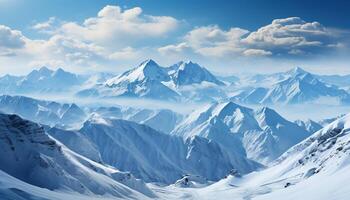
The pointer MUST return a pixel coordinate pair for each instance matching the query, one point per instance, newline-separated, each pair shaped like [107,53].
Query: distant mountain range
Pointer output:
[184,82]
[43,80]
[292,87]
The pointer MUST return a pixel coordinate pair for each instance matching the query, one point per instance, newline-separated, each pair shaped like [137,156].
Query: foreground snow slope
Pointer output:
[316,168]
[12,188]
[29,154]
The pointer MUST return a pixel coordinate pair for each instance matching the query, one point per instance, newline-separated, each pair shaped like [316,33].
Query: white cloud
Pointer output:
[124,54]
[213,41]
[11,39]
[289,36]
[256,52]
[288,32]
[48,27]
[120,28]
[174,49]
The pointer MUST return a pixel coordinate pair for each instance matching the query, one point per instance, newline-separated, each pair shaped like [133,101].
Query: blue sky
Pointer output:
[223,35]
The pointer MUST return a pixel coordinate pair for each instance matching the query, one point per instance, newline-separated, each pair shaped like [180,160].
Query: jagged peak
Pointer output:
[225,108]
[297,71]
[186,64]
[44,69]
[148,63]
[269,115]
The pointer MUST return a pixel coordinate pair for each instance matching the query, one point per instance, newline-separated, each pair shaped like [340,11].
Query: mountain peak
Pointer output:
[297,71]
[44,70]
[188,72]
[147,63]
[269,115]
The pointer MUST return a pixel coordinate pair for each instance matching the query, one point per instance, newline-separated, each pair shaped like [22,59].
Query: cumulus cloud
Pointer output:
[213,41]
[289,36]
[174,49]
[11,39]
[117,27]
[289,33]
[48,26]
[113,34]
[125,54]
[117,36]
[256,52]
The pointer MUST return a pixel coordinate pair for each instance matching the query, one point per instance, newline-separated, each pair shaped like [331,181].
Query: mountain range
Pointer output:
[184,82]
[261,134]
[292,87]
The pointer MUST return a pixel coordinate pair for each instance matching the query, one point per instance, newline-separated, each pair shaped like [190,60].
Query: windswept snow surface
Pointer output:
[315,169]
[30,155]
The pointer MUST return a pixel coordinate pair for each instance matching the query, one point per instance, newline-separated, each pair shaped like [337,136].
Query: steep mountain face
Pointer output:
[29,154]
[315,168]
[158,157]
[309,125]
[149,80]
[43,80]
[76,142]
[188,73]
[45,112]
[298,86]
[142,81]
[162,120]
[262,134]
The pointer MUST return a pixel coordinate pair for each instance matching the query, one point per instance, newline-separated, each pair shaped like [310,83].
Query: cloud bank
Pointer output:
[117,36]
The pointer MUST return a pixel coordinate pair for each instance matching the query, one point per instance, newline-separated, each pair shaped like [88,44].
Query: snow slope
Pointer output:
[29,154]
[316,168]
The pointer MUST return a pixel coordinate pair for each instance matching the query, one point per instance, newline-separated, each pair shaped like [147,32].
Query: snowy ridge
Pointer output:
[261,134]
[43,80]
[32,156]
[45,112]
[122,144]
[293,87]
[149,80]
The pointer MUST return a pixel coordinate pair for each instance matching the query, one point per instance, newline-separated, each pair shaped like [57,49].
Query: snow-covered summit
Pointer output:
[187,73]
[262,134]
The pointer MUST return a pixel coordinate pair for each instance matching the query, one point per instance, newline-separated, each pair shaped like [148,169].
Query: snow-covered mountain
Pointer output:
[44,112]
[293,87]
[309,125]
[262,134]
[158,157]
[316,168]
[149,80]
[338,80]
[30,155]
[163,120]
[43,80]
[188,73]
[144,81]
